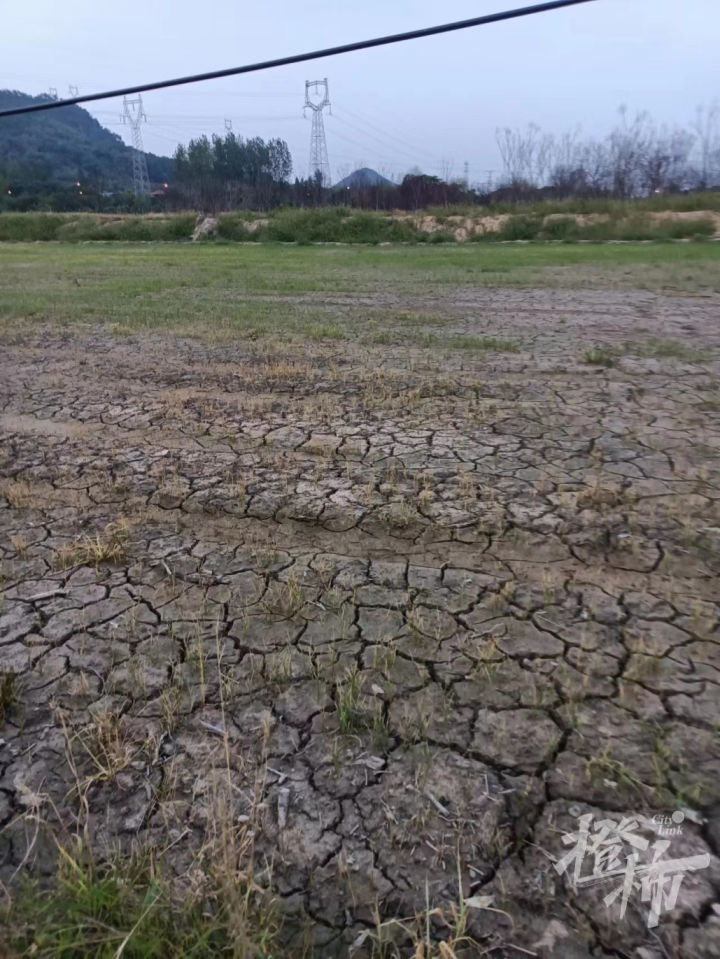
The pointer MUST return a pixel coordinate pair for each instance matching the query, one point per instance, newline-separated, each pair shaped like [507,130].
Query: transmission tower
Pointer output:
[73,90]
[318,147]
[54,93]
[134,115]
[228,126]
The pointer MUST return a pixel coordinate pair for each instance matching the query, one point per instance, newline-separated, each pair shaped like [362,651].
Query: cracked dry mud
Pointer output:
[433,608]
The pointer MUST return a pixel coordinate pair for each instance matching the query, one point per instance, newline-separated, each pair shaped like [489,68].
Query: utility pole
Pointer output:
[134,114]
[228,126]
[466,175]
[318,147]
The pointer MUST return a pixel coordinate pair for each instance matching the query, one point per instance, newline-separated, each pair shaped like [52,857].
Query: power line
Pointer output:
[302,57]
[408,152]
[405,142]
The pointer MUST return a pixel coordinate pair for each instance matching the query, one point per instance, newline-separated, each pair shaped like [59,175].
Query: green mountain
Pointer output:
[65,145]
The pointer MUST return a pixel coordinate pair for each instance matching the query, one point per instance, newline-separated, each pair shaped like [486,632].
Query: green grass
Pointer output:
[653,348]
[74,227]
[625,229]
[324,331]
[469,344]
[660,203]
[253,290]
[672,349]
[124,907]
[602,355]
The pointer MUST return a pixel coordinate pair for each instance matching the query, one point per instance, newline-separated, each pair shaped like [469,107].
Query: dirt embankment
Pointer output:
[465,227]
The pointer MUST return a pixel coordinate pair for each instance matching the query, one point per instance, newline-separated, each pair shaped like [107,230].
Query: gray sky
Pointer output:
[415,104]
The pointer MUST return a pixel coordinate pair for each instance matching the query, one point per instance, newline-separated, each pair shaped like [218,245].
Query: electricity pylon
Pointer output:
[228,126]
[319,162]
[134,115]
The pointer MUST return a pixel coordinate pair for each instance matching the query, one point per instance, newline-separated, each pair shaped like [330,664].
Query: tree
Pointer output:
[228,172]
[705,127]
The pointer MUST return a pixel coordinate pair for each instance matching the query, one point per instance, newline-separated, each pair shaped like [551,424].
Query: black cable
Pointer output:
[301,57]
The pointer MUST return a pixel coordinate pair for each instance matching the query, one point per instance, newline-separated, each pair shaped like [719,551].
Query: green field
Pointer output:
[232,289]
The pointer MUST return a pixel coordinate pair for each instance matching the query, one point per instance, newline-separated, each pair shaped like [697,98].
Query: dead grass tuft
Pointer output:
[18,493]
[108,547]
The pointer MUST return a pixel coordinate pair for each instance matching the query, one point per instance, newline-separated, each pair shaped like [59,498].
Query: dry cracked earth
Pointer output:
[424,608]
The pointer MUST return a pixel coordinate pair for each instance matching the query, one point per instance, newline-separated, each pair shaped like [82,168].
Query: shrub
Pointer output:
[521,228]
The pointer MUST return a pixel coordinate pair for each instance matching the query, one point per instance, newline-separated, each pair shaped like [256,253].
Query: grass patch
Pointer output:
[602,355]
[670,349]
[640,228]
[462,342]
[337,225]
[480,344]
[518,228]
[652,348]
[657,203]
[323,331]
[108,547]
[210,290]
[124,907]
[80,227]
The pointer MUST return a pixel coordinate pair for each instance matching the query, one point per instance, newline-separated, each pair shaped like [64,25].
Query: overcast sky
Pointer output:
[419,103]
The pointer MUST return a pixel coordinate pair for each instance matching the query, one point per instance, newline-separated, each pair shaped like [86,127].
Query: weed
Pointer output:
[104,741]
[670,349]
[602,356]
[597,497]
[17,493]
[108,547]
[351,714]
[400,515]
[604,767]
[20,545]
[125,906]
[324,331]
[284,598]
[480,344]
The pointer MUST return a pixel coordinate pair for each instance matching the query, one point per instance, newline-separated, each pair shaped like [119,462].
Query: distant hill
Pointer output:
[66,145]
[363,177]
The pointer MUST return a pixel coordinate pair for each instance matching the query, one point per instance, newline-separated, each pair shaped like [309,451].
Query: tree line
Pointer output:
[637,158]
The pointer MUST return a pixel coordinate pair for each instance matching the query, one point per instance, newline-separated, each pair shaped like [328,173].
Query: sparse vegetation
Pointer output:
[602,355]
[106,547]
[404,587]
